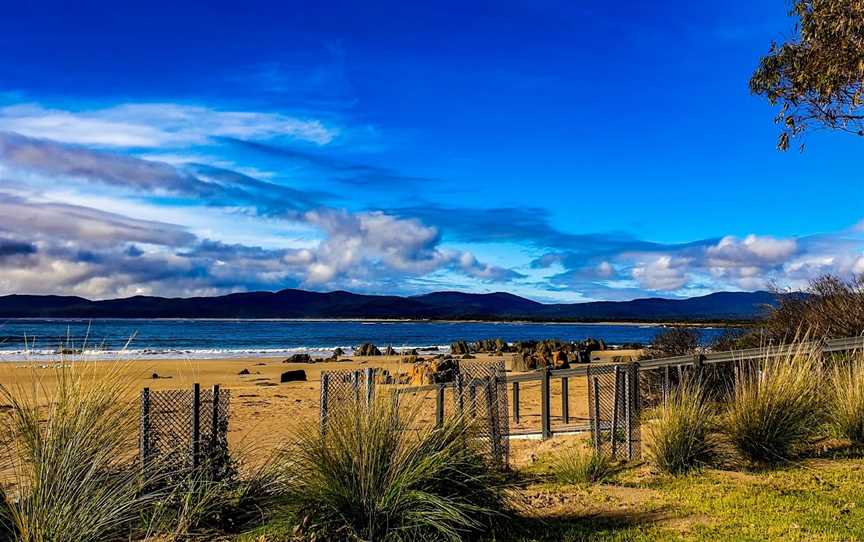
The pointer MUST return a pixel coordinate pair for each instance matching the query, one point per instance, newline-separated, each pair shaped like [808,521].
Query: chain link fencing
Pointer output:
[186,430]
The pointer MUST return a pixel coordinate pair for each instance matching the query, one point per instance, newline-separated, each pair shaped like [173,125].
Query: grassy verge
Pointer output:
[816,500]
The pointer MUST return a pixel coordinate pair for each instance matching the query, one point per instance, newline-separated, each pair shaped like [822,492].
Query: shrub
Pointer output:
[70,448]
[777,407]
[370,476]
[846,398]
[830,307]
[675,341]
[581,466]
[680,431]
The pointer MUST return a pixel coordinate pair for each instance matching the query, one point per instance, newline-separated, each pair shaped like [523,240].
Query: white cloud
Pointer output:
[663,273]
[153,125]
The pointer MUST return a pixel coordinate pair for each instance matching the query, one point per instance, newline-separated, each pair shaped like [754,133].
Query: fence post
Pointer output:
[145,426]
[628,409]
[196,425]
[565,399]
[546,411]
[325,392]
[596,412]
[214,427]
[370,386]
[516,402]
[698,365]
[472,398]
[665,384]
[616,402]
[439,405]
[492,411]
[355,385]
[460,398]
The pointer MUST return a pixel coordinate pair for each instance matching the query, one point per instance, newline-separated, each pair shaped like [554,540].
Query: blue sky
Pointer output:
[562,151]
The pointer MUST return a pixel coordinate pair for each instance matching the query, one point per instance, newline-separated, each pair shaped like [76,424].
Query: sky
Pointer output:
[562,151]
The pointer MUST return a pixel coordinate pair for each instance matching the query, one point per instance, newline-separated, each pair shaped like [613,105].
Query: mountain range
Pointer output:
[291,303]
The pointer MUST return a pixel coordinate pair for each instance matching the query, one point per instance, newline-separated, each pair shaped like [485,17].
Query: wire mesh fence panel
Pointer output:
[526,407]
[613,405]
[569,410]
[345,389]
[181,430]
[481,389]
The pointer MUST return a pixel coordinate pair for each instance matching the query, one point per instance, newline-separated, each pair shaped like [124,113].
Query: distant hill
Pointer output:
[291,303]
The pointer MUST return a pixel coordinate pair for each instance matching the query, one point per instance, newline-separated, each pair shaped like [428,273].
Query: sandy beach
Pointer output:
[265,412]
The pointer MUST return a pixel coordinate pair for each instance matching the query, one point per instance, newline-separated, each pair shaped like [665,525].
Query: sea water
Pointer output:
[202,339]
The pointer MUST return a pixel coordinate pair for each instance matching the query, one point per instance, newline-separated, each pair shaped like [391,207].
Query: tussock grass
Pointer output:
[371,476]
[846,398]
[581,466]
[69,443]
[777,407]
[681,431]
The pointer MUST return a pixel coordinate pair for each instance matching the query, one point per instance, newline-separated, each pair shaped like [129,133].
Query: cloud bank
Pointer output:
[151,199]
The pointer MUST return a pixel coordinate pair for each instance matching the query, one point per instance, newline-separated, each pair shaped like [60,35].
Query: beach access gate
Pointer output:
[184,431]
[477,393]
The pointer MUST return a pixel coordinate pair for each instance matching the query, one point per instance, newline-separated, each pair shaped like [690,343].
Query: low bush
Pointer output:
[681,431]
[69,444]
[777,407]
[581,466]
[846,398]
[372,476]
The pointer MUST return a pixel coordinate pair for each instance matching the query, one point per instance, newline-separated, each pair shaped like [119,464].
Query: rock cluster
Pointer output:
[367,349]
[553,353]
[433,371]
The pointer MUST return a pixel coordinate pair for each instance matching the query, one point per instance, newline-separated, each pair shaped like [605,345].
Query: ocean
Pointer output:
[33,339]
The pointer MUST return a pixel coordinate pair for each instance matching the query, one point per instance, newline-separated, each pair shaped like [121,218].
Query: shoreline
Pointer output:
[647,323]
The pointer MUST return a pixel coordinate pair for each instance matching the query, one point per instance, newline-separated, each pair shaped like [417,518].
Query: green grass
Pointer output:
[680,431]
[846,398]
[777,408]
[819,501]
[581,466]
[371,476]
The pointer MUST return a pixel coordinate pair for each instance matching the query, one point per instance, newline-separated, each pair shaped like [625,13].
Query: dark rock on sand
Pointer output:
[298,375]
[244,372]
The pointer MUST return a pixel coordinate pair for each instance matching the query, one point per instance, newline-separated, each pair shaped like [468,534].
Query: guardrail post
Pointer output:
[516,402]
[546,411]
[565,399]
[439,405]
[196,425]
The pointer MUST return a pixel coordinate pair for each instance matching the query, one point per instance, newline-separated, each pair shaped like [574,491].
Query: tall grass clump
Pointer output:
[777,407]
[68,444]
[372,475]
[846,398]
[681,431]
[580,466]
